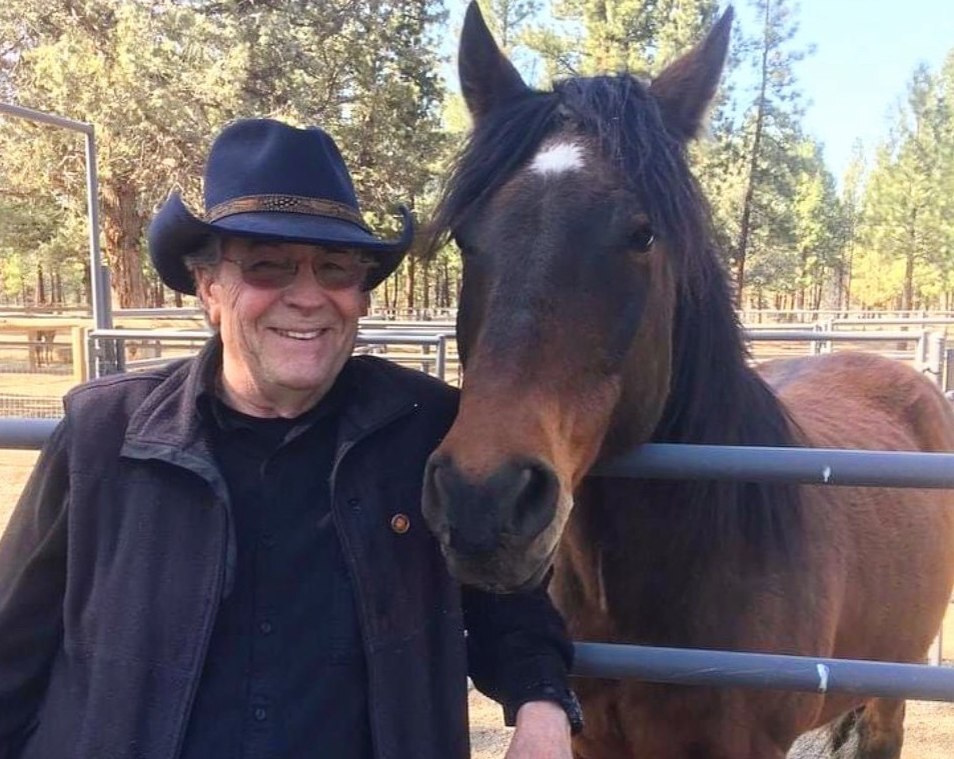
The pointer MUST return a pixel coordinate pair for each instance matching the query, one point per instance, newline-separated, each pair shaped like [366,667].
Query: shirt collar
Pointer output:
[214,411]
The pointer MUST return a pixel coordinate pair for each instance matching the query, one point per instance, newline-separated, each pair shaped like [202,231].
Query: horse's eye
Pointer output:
[642,240]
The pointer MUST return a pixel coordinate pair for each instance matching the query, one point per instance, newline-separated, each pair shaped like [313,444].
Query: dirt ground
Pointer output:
[929,726]
[929,732]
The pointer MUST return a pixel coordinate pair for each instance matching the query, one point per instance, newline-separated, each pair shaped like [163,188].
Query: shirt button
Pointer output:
[400,523]
[354,501]
[265,627]
[260,714]
[268,540]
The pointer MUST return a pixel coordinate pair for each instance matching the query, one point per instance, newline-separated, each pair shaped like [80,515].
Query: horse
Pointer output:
[595,315]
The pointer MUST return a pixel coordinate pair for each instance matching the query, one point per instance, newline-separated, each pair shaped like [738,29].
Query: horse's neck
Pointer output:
[638,551]
[715,397]
[632,560]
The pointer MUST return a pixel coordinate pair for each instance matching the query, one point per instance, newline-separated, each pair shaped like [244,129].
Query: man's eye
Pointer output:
[269,266]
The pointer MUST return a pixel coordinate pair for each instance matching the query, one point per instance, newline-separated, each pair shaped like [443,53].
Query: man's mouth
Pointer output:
[295,334]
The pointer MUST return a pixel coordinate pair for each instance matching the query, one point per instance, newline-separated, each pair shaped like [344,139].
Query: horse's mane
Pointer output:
[715,396]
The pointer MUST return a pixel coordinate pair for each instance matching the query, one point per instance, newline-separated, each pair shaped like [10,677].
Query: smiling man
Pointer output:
[225,557]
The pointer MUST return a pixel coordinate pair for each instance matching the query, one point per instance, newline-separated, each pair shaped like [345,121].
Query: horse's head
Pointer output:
[577,217]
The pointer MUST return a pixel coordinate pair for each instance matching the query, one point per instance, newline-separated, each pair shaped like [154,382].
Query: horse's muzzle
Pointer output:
[491,527]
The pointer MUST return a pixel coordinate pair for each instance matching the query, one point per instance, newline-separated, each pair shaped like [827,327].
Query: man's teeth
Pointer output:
[310,335]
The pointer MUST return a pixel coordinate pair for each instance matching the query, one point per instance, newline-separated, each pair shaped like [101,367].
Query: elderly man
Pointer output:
[225,557]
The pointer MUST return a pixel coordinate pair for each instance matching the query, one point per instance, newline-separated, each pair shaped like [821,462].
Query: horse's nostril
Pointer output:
[470,516]
[534,501]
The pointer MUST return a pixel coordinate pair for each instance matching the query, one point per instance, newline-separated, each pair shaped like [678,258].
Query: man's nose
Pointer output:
[305,288]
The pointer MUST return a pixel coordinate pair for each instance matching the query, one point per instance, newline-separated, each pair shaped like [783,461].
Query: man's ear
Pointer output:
[208,298]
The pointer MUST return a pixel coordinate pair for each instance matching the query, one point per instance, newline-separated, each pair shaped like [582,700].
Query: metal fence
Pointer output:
[429,346]
[434,346]
[430,351]
[826,467]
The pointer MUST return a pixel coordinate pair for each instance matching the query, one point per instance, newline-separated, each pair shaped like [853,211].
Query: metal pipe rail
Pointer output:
[102,316]
[784,335]
[914,321]
[724,668]
[158,313]
[434,332]
[682,666]
[364,338]
[25,434]
[810,466]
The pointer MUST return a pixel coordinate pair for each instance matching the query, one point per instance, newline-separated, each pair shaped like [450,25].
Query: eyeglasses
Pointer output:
[337,270]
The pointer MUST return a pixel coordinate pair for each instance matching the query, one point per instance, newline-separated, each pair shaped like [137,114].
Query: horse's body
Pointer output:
[595,316]
[872,580]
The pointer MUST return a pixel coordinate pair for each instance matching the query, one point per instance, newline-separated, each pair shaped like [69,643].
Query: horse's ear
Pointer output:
[685,87]
[487,78]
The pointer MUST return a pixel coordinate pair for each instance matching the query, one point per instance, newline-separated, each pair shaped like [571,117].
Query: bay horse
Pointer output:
[595,316]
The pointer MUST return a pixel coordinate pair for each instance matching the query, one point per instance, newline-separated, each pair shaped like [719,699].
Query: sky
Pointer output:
[865,54]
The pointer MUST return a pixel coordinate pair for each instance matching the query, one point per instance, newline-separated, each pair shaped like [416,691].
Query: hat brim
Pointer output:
[176,232]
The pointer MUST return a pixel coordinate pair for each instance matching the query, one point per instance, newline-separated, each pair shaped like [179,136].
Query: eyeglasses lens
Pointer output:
[332,272]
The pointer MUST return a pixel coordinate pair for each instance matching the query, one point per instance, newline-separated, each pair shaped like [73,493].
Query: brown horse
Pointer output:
[595,316]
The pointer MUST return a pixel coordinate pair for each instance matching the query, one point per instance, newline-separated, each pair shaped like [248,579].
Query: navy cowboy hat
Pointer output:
[268,180]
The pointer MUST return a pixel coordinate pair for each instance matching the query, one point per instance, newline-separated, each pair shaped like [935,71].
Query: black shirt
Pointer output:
[285,674]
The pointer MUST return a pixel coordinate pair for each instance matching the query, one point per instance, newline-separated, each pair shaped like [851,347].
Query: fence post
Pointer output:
[426,365]
[934,360]
[816,345]
[107,355]
[948,369]
[78,353]
[827,326]
[441,368]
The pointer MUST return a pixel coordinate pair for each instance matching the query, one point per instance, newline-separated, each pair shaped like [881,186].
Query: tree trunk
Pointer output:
[741,249]
[411,280]
[396,292]
[40,286]
[445,300]
[907,293]
[123,227]
[426,276]
[87,284]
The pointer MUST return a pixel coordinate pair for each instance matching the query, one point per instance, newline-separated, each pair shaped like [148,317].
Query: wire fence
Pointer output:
[31,406]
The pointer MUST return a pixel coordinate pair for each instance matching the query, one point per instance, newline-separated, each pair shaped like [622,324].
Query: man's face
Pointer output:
[286,335]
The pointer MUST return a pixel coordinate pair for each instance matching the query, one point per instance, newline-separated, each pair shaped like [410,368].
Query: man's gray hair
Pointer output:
[208,254]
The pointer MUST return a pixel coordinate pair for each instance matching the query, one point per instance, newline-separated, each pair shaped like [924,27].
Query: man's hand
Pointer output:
[542,732]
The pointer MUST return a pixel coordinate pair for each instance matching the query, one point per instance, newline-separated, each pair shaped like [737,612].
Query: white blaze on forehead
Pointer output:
[558,158]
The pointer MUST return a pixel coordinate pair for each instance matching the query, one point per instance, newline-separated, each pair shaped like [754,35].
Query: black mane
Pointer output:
[715,396]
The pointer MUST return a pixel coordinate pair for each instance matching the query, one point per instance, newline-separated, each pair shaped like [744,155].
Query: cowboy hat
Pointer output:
[267,180]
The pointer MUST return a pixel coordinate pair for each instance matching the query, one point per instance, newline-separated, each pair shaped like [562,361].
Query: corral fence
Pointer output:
[105,353]
[431,347]
[827,467]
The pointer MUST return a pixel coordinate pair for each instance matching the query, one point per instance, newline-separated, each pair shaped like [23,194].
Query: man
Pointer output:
[225,557]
